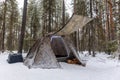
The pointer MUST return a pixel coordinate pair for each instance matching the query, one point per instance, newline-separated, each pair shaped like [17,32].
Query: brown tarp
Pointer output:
[75,23]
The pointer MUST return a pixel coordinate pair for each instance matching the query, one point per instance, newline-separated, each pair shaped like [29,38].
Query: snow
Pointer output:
[101,67]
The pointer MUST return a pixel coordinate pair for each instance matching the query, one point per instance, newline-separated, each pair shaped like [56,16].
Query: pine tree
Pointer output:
[21,39]
[3,27]
[13,15]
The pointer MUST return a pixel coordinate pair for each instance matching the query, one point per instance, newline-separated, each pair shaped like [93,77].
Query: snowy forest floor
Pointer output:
[98,68]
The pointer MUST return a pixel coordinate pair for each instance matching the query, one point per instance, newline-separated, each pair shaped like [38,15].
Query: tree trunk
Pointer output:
[89,43]
[119,11]
[49,26]
[63,15]
[111,20]
[107,22]
[10,37]
[3,28]
[21,39]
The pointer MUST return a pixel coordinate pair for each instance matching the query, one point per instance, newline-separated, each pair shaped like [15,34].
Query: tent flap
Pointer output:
[75,23]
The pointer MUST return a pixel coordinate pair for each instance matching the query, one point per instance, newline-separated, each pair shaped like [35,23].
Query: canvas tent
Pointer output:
[42,53]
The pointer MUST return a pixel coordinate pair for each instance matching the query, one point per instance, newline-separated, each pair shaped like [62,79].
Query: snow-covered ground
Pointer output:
[99,68]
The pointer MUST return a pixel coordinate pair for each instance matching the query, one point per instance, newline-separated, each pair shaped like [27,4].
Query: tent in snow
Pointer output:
[48,50]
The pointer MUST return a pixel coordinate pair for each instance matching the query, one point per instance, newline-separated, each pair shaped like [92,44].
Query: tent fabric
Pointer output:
[59,47]
[75,23]
[73,50]
[41,56]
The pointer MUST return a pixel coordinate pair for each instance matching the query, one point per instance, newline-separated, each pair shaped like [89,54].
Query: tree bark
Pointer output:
[21,39]
[10,37]
[119,11]
[3,28]
[111,20]
[49,27]
[63,15]
[89,43]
